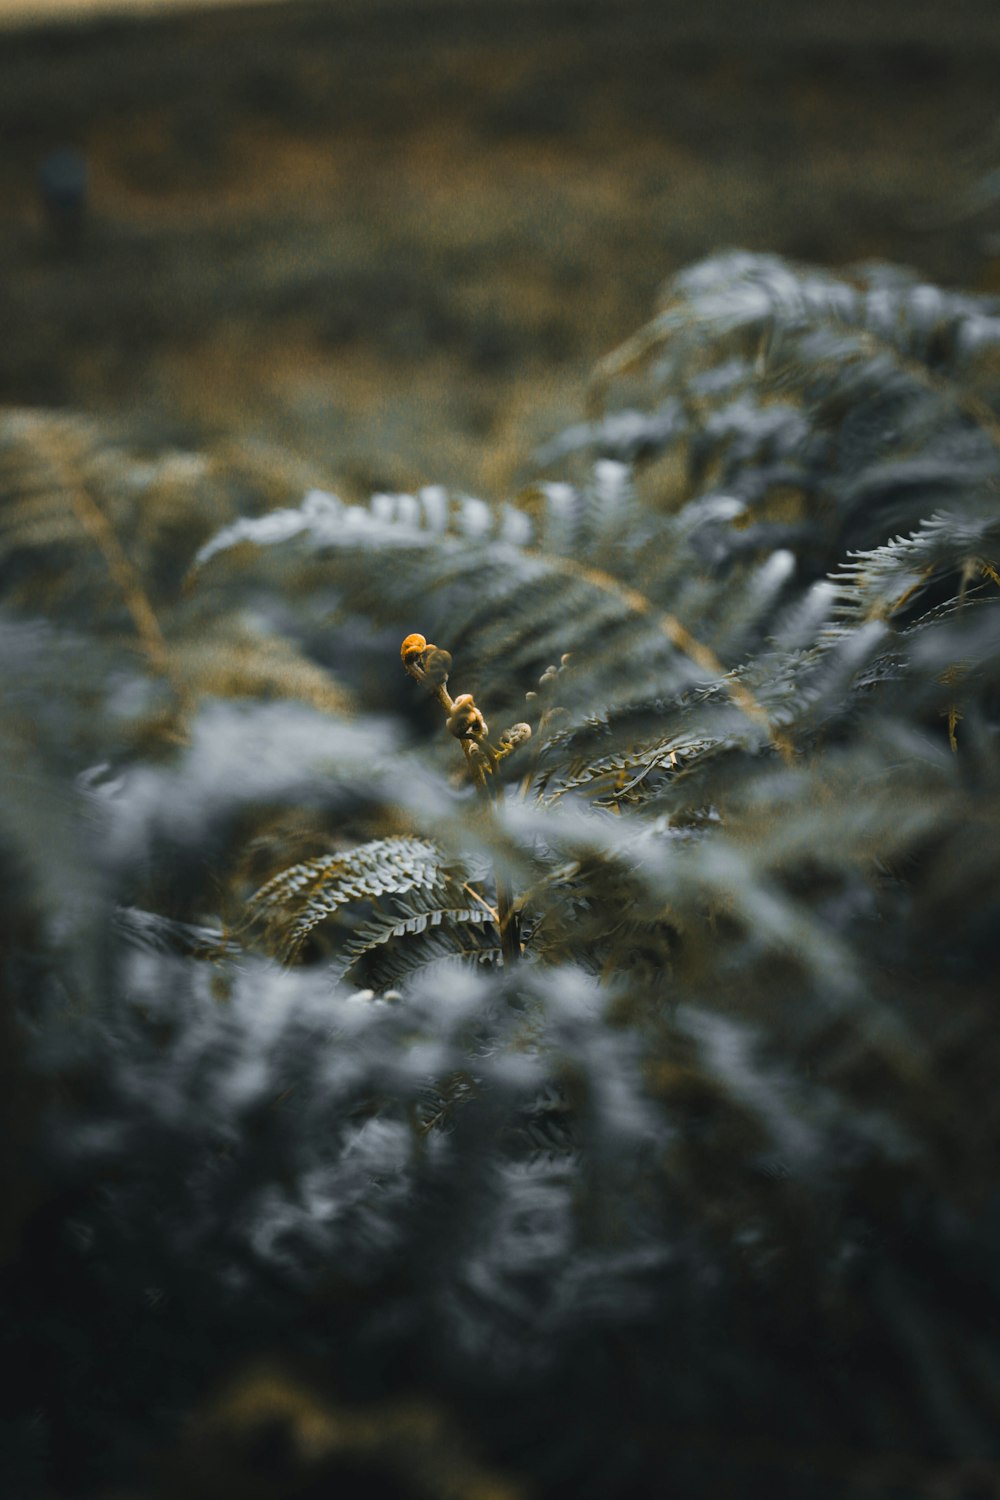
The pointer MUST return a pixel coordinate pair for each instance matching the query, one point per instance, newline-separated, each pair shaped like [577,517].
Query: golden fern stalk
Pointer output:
[430,665]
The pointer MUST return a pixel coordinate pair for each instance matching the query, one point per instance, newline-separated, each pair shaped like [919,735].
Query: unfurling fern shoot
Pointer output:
[430,666]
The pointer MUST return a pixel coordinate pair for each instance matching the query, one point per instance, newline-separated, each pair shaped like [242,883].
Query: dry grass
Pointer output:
[399,248]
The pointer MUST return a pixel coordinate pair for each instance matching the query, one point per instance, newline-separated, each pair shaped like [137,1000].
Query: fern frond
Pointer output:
[882,582]
[407,917]
[297,900]
[241,658]
[153,933]
[153,507]
[836,408]
[546,604]
[388,520]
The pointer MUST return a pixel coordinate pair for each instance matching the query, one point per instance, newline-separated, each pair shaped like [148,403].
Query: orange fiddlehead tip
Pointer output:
[412,647]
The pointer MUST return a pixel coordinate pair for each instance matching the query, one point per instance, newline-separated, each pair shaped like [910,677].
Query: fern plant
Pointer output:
[617,1087]
[696,635]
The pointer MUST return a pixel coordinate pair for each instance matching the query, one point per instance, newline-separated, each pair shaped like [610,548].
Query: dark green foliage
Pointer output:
[697,1198]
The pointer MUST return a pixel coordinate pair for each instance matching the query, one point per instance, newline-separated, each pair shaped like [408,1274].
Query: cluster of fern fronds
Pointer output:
[622,1094]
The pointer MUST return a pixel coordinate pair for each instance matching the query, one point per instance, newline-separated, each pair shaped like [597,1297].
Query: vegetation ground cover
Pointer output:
[558,1060]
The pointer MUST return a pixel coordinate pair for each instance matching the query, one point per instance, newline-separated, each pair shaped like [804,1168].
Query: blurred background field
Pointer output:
[395,237]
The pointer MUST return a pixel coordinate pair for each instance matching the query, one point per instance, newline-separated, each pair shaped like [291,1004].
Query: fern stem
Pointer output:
[510,927]
[429,665]
[490,793]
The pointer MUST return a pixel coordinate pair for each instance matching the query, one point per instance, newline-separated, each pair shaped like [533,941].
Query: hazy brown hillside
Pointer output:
[395,237]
